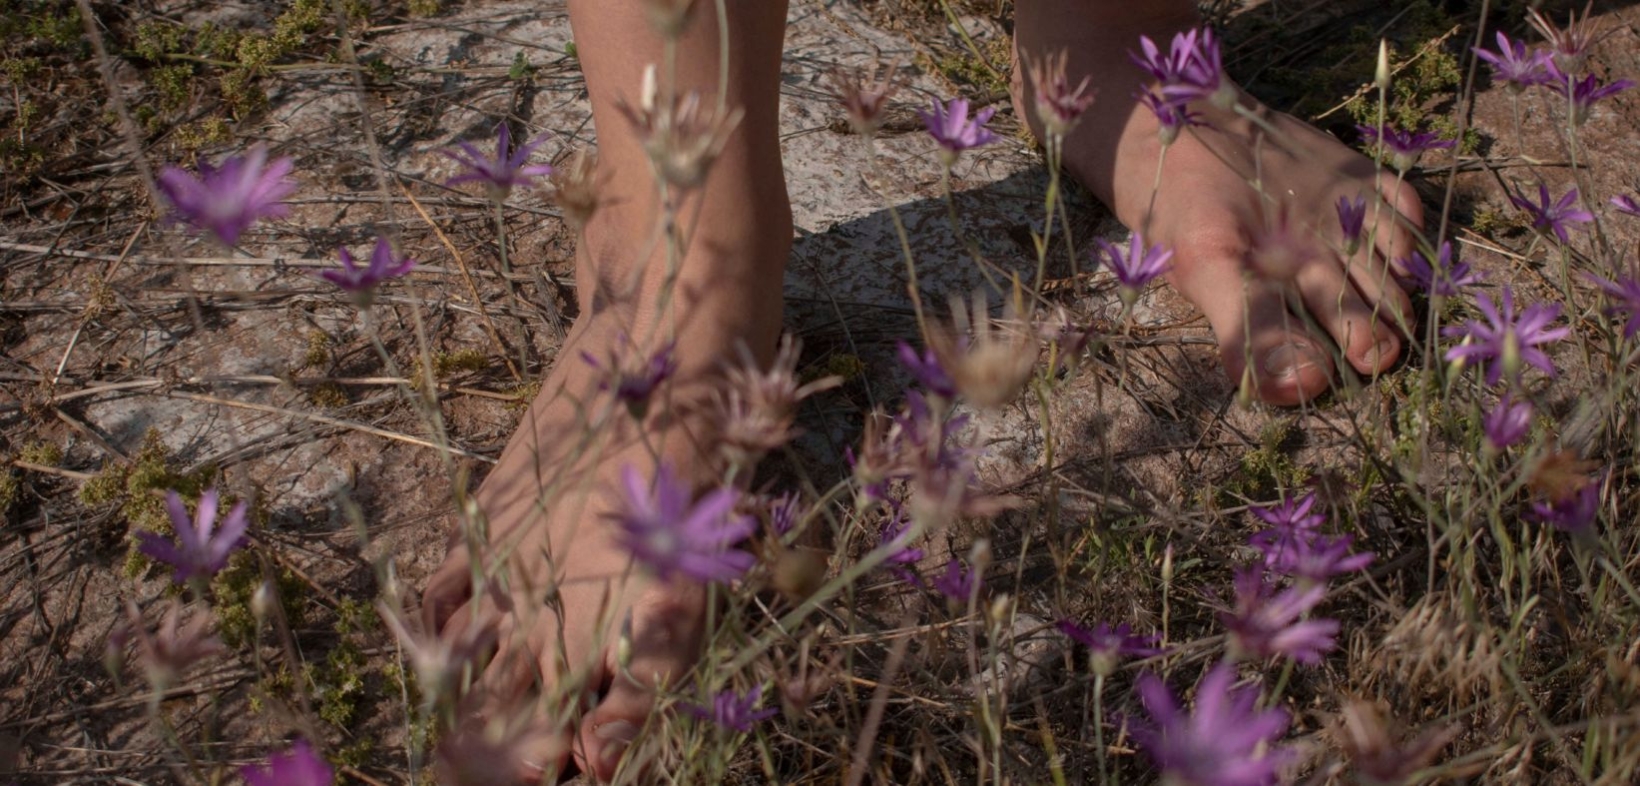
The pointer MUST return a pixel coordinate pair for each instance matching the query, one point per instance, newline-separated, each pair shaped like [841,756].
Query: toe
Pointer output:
[447,591]
[1396,224]
[664,641]
[1263,346]
[1331,299]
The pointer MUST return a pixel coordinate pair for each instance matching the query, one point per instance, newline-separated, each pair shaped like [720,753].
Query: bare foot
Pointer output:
[1210,214]
[569,586]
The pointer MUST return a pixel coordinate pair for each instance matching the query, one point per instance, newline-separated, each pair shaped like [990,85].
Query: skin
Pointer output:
[741,222]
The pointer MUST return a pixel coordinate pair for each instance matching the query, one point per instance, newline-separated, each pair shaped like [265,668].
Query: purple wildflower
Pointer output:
[1172,117]
[896,533]
[733,711]
[1554,217]
[926,369]
[1315,559]
[1107,645]
[1292,513]
[1266,622]
[201,548]
[1352,218]
[1507,423]
[384,264]
[298,766]
[1575,513]
[630,377]
[1444,278]
[1227,741]
[1625,294]
[957,582]
[1058,106]
[1515,64]
[671,536]
[954,131]
[1583,93]
[1192,69]
[225,201]
[509,168]
[1505,342]
[1136,267]
[784,512]
[1404,147]
[1626,205]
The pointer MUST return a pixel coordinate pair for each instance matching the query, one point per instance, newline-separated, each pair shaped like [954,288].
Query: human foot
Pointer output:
[1210,213]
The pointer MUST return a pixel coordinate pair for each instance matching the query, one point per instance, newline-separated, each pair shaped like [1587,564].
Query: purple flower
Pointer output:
[896,533]
[1192,69]
[298,766]
[1516,65]
[1227,741]
[784,512]
[1266,622]
[508,169]
[1404,147]
[1555,217]
[631,377]
[1504,342]
[1626,204]
[225,201]
[1352,218]
[1172,117]
[1574,514]
[1625,294]
[1107,646]
[1507,423]
[1315,559]
[1292,514]
[733,711]
[926,369]
[1444,278]
[201,548]
[957,582]
[384,264]
[951,128]
[1582,93]
[1136,267]
[671,536]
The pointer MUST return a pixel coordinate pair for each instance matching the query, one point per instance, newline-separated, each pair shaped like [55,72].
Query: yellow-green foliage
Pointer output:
[138,489]
[446,364]
[318,350]
[423,7]
[329,395]
[11,490]
[41,452]
[849,367]
[233,588]
[204,132]
[962,67]
[1269,468]
[338,682]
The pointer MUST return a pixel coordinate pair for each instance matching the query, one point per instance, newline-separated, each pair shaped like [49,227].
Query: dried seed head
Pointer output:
[989,365]
[1570,45]
[166,653]
[681,137]
[863,95]
[1058,106]
[1378,759]
[1282,249]
[575,188]
[756,410]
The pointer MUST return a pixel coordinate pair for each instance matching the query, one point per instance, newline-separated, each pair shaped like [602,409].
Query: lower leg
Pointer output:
[547,499]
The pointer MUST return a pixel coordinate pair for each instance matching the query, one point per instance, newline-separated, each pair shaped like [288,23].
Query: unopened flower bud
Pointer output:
[1381,75]
[1102,661]
[1167,564]
[1001,608]
[263,601]
[623,645]
[1511,354]
[979,556]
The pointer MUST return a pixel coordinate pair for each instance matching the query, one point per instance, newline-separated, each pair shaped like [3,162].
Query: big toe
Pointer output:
[1264,348]
[664,643]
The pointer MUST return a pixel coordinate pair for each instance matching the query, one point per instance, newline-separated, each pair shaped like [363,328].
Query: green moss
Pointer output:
[329,395]
[234,586]
[338,684]
[156,41]
[242,92]
[138,490]
[1269,468]
[446,364]
[11,491]
[423,7]
[203,133]
[41,452]
[174,83]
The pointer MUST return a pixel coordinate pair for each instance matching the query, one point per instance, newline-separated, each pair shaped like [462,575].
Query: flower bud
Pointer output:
[1381,76]
[623,645]
[263,601]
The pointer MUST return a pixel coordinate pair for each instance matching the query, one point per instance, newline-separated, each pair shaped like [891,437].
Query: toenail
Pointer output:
[1383,351]
[616,731]
[1287,361]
